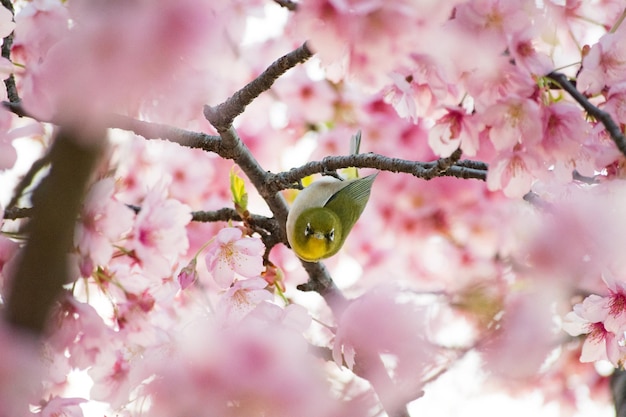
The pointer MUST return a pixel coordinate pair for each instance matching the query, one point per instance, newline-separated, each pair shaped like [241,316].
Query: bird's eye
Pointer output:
[331,235]
[307,230]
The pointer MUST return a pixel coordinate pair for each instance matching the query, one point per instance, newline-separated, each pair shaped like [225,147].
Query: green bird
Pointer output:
[323,214]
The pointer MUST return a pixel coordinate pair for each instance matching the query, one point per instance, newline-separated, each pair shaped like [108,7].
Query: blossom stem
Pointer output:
[619,22]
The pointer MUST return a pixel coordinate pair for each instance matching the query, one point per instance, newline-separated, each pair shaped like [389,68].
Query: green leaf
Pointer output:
[238,190]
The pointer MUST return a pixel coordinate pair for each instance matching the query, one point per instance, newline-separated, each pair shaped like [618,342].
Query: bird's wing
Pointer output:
[349,202]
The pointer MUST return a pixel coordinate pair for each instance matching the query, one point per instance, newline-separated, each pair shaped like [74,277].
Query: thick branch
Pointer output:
[601,115]
[222,115]
[150,130]
[423,170]
[43,268]
[618,389]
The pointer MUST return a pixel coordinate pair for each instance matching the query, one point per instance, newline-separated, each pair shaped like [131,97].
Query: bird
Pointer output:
[323,214]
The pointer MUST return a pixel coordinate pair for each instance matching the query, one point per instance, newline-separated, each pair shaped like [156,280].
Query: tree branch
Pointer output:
[618,390]
[371,367]
[601,115]
[42,269]
[150,130]
[28,178]
[287,4]
[14,213]
[6,53]
[425,170]
[222,115]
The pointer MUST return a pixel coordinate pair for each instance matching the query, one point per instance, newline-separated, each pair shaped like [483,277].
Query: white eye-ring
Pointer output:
[307,230]
[331,235]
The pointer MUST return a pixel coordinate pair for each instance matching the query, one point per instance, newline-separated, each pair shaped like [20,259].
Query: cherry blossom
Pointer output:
[564,129]
[307,101]
[455,129]
[490,21]
[39,25]
[188,275]
[104,222]
[417,91]
[80,329]
[513,121]
[615,103]
[505,81]
[251,369]
[158,236]
[233,253]
[95,55]
[111,377]
[19,372]
[588,318]
[605,63]
[526,314]
[524,51]
[62,407]
[241,298]
[340,30]
[514,171]
[371,326]
[512,255]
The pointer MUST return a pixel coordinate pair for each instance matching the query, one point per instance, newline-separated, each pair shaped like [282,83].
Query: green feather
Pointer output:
[349,202]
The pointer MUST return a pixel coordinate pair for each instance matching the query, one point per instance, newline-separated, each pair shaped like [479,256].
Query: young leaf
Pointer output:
[238,190]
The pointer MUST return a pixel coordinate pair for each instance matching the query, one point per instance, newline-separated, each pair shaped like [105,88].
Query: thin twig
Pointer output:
[14,213]
[222,115]
[601,115]
[261,224]
[27,179]
[255,221]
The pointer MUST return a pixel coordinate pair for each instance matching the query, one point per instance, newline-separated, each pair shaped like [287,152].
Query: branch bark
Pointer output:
[7,43]
[150,130]
[288,4]
[222,115]
[604,117]
[423,170]
[618,390]
[42,268]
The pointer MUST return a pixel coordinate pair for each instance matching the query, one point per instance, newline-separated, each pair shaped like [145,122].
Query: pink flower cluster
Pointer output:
[441,66]
[603,320]
[162,333]
[134,46]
